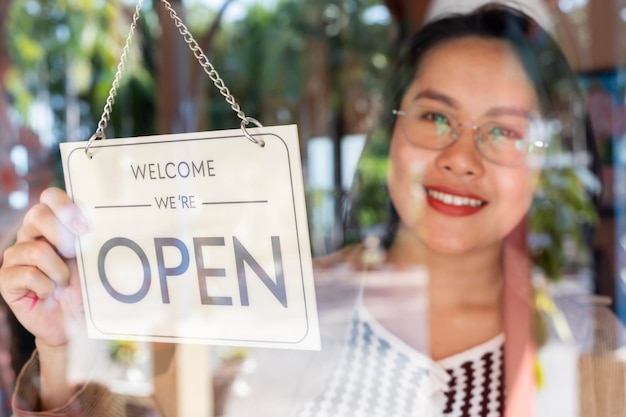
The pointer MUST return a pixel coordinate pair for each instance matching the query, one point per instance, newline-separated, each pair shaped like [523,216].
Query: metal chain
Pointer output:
[202,59]
[106,113]
[204,62]
[213,75]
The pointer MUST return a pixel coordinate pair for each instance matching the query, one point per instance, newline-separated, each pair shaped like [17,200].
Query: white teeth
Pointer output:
[454,200]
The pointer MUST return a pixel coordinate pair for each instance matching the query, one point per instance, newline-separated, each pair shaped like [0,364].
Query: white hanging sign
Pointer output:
[195,238]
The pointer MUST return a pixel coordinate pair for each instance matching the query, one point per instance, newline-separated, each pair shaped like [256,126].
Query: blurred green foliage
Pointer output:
[371,198]
[65,53]
[560,218]
[69,49]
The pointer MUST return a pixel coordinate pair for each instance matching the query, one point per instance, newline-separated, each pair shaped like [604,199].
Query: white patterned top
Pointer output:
[378,375]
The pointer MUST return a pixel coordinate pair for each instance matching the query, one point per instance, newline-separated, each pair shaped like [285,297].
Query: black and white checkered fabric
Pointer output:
[378,375]
[476,384]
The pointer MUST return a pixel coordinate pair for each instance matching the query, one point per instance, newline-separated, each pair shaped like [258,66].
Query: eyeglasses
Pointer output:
[503,142]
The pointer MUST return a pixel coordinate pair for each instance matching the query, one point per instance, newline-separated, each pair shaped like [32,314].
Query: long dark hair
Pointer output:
[560,98]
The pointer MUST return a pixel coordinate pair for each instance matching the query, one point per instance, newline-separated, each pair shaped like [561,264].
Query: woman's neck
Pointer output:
[455,280]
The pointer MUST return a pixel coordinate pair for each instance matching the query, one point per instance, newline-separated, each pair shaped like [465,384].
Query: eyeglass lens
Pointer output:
[504,141]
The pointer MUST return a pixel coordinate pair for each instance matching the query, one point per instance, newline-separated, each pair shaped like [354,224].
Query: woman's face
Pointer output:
[453,199]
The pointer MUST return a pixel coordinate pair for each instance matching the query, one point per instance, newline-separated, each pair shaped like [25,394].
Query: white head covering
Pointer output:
[536,9]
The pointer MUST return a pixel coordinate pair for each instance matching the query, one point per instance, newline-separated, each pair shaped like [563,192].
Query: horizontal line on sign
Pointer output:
[234,202]
[125,206]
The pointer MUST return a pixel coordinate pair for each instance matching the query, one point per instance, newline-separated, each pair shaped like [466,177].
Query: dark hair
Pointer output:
[543,60]
[560,98]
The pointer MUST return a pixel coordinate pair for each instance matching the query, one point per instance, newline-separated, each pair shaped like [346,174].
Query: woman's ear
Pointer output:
[519,349]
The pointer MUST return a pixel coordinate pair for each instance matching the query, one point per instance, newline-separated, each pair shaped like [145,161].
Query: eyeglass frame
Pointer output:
[455,134]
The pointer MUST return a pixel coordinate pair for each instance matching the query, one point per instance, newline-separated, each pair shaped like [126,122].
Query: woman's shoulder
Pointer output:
[368,254]
[348,257]
[337,280]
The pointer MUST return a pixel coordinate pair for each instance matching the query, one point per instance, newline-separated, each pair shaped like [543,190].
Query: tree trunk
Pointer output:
[181,382]
[175,112]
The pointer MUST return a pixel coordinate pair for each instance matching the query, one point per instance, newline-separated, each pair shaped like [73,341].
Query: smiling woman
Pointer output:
[480,82]
[469,133]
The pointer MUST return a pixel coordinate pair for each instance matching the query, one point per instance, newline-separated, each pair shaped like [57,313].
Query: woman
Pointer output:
[472,96]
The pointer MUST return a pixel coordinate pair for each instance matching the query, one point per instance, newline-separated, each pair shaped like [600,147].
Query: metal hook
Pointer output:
[244,122]
[97,135]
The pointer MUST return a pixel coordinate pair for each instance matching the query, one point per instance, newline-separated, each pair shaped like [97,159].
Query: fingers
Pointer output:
[37,271]
[71,295]
[65,210]
[25,284]
[31,272]
[40,223]
[41,256]
[57,219]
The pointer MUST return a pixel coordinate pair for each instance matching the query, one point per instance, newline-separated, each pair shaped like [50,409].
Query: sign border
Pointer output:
[190,137]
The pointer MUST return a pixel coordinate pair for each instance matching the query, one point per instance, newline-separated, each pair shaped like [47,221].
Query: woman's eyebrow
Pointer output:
[509,111]
[437,96]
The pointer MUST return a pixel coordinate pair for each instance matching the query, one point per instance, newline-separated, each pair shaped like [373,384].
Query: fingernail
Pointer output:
[35,300]
[79,226]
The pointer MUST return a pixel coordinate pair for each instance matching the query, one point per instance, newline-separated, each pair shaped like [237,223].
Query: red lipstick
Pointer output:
[463,203]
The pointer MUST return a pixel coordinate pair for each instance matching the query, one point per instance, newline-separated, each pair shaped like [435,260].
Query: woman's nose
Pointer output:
[462,156]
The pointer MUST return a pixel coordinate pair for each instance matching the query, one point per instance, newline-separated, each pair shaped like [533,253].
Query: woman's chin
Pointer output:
[428,241]
[449,248]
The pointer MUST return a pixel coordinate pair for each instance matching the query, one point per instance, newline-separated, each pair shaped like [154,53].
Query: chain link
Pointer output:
[106,113]
[204,62]
[198,54]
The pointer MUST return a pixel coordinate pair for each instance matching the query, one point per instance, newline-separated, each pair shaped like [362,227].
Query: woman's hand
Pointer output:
[38,277]
[39,282]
